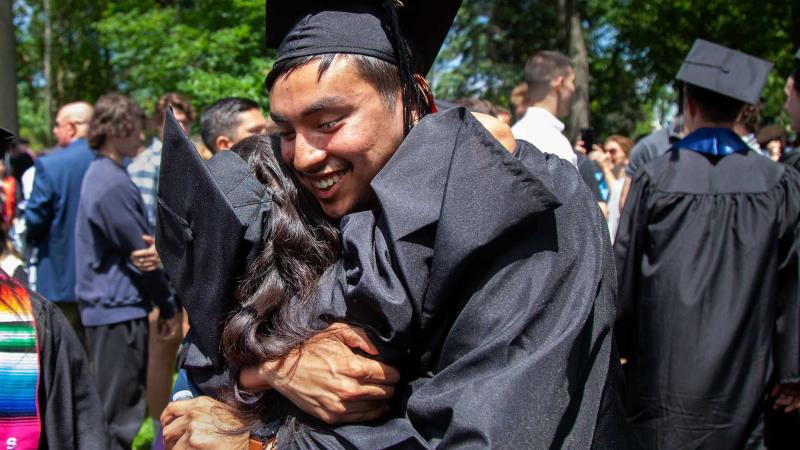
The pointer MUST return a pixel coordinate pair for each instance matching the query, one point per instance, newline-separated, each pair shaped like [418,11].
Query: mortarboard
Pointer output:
[6,137]
[725,71]
[312,27]
[209,224]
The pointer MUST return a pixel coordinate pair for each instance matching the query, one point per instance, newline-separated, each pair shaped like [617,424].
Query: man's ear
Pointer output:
[557,82]
[222,143]
[73,130]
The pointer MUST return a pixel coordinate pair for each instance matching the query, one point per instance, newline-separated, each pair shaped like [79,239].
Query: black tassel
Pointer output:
[412,96]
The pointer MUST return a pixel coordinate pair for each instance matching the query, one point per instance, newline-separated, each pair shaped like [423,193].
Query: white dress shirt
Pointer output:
[544,130]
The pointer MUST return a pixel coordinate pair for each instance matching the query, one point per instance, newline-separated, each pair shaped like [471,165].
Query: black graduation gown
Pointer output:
[488,280]
[708,297]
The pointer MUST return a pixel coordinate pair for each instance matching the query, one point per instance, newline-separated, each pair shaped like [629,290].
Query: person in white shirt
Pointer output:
[551,84]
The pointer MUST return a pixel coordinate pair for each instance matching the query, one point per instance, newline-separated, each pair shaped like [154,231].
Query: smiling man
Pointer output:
[484,277]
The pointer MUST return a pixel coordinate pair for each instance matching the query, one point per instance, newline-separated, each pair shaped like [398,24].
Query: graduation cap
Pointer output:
[364,27]
[6,138]
[725,71]
[210,223]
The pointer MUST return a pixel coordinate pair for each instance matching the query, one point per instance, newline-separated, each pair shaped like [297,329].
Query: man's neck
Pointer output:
[708,124]
[740,129]
[549,104]
[111,154]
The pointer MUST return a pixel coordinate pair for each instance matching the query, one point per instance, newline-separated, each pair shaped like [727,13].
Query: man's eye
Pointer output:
[285,135]
[329,125]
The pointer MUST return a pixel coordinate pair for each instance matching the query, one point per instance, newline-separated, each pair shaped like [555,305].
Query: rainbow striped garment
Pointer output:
[20,424]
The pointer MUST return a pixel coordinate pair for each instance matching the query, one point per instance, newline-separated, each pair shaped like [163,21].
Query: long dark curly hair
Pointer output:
[276,298]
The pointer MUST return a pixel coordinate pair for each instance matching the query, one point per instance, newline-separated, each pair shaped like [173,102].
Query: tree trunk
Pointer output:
[579,112]
[795,26]
[47,57]
[8,71]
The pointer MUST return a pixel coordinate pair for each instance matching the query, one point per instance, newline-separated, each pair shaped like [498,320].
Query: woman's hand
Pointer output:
[146,259]
[203,423]
[326,379]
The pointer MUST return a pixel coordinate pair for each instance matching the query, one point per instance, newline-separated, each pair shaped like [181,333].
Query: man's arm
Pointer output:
[628,248]
[324,378]
[124,224]
[39,212]
[787,326]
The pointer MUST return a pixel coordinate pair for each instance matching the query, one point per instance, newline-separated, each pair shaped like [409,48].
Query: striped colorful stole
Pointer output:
[20,426]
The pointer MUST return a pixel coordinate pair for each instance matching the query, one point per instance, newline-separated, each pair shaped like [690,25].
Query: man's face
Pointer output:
[792,104]
[251,122]
[64,130]
[336,132]
[565,90]
[129,145]
[181,118]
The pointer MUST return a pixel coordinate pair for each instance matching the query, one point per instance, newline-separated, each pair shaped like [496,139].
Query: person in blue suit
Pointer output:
[53,207]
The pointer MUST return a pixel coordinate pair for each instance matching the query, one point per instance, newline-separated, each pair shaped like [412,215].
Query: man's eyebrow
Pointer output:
[319,105]
[277,118]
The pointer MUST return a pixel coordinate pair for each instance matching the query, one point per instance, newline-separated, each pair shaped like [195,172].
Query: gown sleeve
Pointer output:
[72,414]
[787,327]
[628,249]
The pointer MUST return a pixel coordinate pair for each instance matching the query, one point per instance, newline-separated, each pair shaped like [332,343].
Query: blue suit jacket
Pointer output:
[50,217]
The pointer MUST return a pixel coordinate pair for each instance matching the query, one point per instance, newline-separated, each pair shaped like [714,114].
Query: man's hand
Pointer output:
[203,423]
[326,379]
[167,328]
[146,259]
[788,397]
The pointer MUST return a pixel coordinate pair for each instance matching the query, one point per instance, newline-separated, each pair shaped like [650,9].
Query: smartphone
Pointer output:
[587,136]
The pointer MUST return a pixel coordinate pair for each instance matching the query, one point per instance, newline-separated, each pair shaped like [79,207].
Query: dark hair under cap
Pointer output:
[364,27]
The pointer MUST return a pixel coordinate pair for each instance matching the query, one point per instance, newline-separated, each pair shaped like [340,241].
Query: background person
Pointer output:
[712,347]
[115,296]
[551,85]
[228,121]
[52,209]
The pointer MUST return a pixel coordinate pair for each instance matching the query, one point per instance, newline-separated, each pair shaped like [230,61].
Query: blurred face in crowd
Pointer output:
[72,122]
[774,149]
[182,119]
[337,132]
[565,89]
[128,146]
[615,153]
[251,122]
[792,103]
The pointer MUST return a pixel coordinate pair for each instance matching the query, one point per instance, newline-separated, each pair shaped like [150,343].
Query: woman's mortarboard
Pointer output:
[312,27]
[210,224]
[725,71]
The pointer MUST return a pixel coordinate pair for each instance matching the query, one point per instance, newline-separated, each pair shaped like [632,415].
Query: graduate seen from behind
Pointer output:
[707,260]
[484,277]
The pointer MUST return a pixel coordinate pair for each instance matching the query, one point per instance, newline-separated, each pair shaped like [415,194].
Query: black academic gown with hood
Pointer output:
[707,258]
[487,279]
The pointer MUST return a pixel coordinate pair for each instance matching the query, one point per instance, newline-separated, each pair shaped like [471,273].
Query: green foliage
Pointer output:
[202,49]
[195,48]
[80,66]
[635,49]
[654,37]
[489,43]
